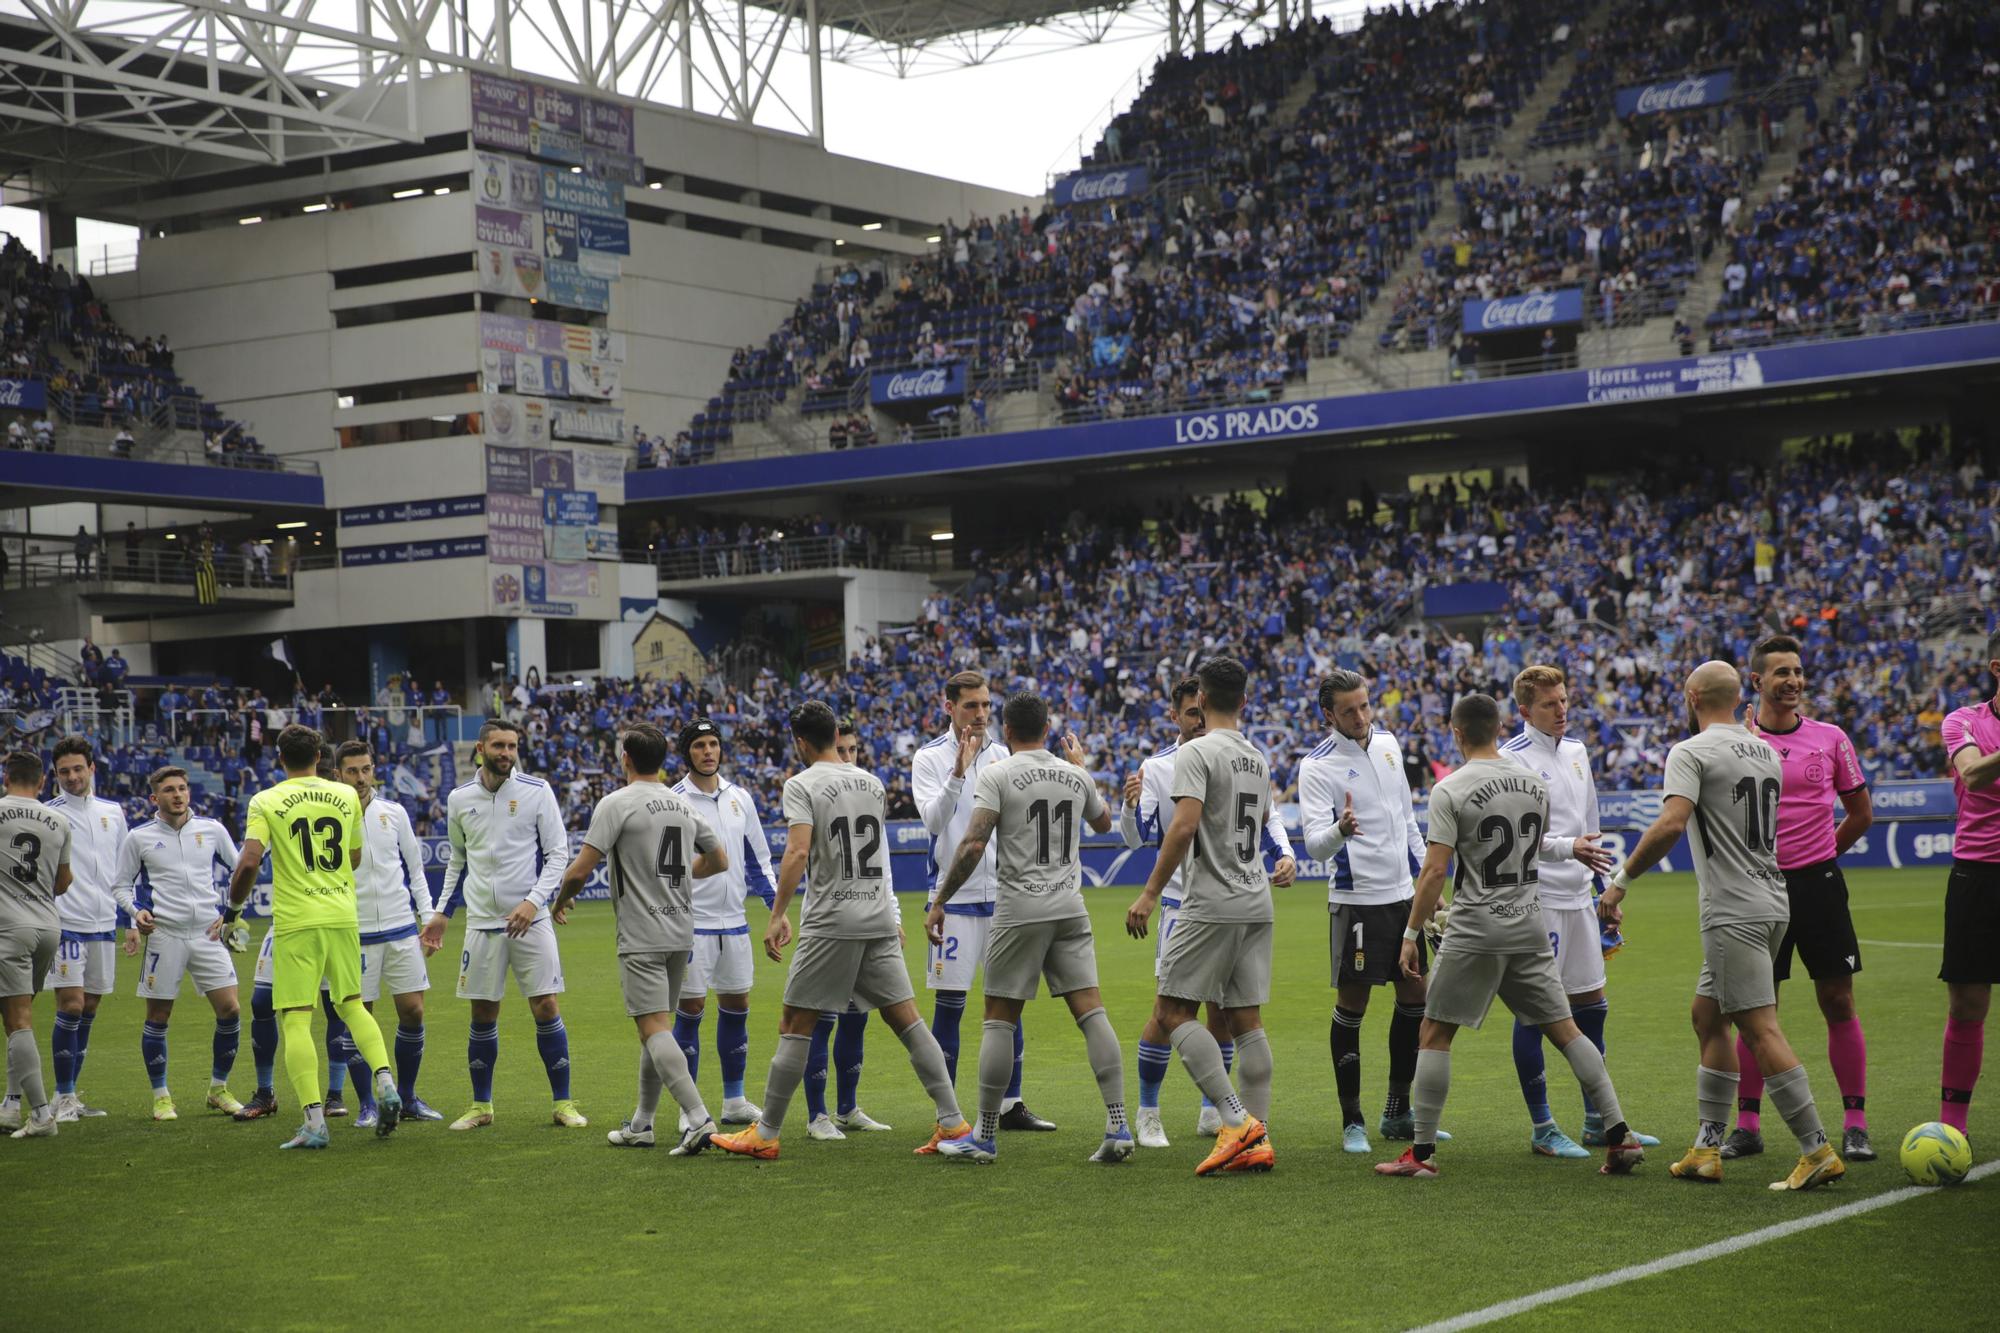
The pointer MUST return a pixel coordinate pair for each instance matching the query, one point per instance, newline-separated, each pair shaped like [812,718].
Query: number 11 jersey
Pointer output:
[1492,815]
[848,894]
[1735,780]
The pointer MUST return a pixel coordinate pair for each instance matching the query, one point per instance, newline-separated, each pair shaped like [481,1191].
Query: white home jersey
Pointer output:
[507,847]
[1564,765]
[391,895]
[178,864]
[1379,865]
[97,831]
[732,815]
[1146,826]
[944,803]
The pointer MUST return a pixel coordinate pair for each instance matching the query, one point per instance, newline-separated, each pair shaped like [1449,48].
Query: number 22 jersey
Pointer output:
[848,895]
[1492,816]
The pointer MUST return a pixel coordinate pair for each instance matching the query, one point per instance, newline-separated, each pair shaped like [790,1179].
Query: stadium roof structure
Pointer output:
[102,91]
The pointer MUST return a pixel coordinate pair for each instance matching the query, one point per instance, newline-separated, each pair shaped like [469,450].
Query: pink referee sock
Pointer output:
[1847,1052]
[1749,1092]
[1964,1044]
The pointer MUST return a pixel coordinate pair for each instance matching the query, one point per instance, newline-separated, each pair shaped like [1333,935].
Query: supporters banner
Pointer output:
[412,511]
[501,110]
[580,192]
[566,543]
[594,379]
[605,425]
[1530,310]
[1095,187]
[918,385]
[559,234]
[577,579]
[569,509]
[535,594]
[602,472]
[607,125]
[507,182]
[558,108]
[511,419]
[506,271]
[612,165]
[514,528]
[403,553]
[24,395]
[510,333]
[553,469]
[605,236]
[540,373]
[601,543]
[507,473]
[566,146]
[568,285]
[580,340]
[506,588]
[1682,94]
[507,227]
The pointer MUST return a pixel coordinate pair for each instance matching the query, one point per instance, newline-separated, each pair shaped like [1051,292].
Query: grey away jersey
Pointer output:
[34,845]
[650,836]
[1492,815]
[848,895]
[1223,877]
[1042,803]
[1734,779]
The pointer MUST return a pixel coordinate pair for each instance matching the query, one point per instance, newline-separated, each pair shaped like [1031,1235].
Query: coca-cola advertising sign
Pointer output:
[1530,310]
[1101,187]
[1686,93]
[24,395]
[912,385]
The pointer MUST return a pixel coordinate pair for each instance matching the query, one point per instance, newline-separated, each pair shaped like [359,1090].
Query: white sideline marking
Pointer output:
[1668,1263]
[1897,944]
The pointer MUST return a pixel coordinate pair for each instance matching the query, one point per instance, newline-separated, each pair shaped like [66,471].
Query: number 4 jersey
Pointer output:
[848,895]
[1735,781]
[650,836]
[1492,816]
[311,827]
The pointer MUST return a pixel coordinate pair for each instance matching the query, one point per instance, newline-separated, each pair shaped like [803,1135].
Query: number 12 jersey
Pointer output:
[848,894]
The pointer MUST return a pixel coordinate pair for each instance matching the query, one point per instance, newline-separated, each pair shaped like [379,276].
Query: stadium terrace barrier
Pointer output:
[1722,372]
[784,555]
[185,477]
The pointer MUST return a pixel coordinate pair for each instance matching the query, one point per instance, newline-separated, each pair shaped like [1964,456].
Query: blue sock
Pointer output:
[552,1040]
[1228,1063]
[1153,1061]
[263,1035]
[1590,1018]
[482,1052]
[687,1035]
[228,1032]
[409,1059]
[732,1049]
[82,1048]
[1531,1070]
[62,1046]
[336,1048]
[847,1035]
[1020,1048]
[816,1067]
[944,1026]
[153,1049]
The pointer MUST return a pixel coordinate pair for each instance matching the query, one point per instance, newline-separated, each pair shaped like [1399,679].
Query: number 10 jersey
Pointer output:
[1735,780]
[848,893]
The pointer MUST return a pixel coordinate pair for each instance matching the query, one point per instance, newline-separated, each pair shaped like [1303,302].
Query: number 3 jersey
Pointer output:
[34,846]
[1735,781]
[311,827]
[848,894]
[1492,816]
[649,837]
[1041,803]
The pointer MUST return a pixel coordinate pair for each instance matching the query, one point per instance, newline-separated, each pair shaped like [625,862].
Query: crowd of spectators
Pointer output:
[1890,219]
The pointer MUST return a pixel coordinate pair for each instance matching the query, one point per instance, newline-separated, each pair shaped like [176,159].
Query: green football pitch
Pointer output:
[120,1222]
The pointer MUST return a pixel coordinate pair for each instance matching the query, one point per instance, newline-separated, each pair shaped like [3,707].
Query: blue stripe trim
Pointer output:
[725,930]
[935,741]
[968,909]
[1174,903]
[402,932]
[90,936]
[1169,748]
[1323,749]
[527,781]
[1343,872]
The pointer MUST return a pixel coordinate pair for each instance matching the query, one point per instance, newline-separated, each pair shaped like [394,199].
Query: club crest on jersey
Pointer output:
[512,806]
[197,839]
[104,821]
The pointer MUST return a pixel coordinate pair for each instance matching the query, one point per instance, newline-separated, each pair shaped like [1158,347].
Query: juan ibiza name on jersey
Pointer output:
[1066,774]
[1486,791]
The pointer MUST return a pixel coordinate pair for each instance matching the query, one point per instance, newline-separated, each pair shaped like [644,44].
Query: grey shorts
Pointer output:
[26,954]
[652,981]
[827,973]
[1739,965]
[1463,985]
[1218,962]
[1018,957]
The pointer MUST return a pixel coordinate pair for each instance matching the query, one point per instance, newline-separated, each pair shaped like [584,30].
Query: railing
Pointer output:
[786,555]
[171,568]
[74,444]
[27,643]
[81,709]
[423,726]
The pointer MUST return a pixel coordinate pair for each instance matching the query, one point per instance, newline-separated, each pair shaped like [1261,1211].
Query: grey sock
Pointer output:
[1427,1094]
[1587,1063]
[1715,1095]
[649,1091]
[24,1069]
[1201,1056]
[927,1058]
[1253,1072]
[1792,1096]
[670,1067]
[996,1071]
[788,1070]
[1100,1045]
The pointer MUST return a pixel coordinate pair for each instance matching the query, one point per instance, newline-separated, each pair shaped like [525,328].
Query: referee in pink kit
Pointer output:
[1972,898]
[1820,767]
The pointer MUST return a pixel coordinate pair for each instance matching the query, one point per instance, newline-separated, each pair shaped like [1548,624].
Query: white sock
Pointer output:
[316,1118]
